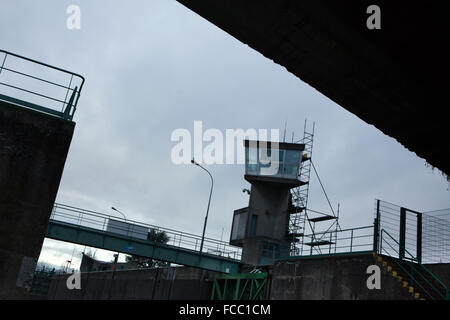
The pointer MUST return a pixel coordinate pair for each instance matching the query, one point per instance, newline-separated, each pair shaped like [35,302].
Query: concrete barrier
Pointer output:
[33,151]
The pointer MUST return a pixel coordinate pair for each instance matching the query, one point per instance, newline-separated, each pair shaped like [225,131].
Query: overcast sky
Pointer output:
[154,66]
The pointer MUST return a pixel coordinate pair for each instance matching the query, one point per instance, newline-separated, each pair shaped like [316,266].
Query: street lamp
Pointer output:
[119,212]
[116,256]
[209,201]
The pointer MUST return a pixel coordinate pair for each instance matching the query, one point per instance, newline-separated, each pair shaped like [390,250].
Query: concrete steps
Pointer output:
[424,291]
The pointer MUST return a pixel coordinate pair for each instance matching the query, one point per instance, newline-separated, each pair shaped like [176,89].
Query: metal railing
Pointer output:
[389,218]
[351,240]
[417,272]
[141,231]
[39,86]
[426,235]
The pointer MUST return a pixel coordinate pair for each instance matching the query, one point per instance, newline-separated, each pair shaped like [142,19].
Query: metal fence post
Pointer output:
[1,67]
[351,241]
[376,228]
[381,242]
[419,238]
[402,239]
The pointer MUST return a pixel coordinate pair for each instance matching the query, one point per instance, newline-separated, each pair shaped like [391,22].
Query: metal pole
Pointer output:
[376,229]
[419,238]
[351,241]
[3,63]
[119,212]
[402,244]
[116,256]
[209,202]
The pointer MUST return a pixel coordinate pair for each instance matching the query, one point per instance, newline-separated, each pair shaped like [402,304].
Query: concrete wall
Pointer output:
[441,271]
[320,278]
[152,284]
[337,278]
[269,202]
[33,151]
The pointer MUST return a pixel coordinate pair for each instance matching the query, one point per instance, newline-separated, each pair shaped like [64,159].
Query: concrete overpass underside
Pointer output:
[393,78]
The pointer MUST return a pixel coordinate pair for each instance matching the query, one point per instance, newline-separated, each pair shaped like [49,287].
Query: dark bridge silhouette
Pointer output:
[394,78]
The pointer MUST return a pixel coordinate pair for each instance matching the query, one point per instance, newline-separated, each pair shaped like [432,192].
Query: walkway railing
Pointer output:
[417,272]
[143,231]
[39,86]
[351,240]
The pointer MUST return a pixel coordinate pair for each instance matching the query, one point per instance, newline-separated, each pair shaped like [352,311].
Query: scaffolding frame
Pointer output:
[301,224]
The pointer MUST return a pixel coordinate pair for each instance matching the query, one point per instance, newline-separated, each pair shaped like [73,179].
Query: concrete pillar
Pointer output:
[33,151]
[269,203]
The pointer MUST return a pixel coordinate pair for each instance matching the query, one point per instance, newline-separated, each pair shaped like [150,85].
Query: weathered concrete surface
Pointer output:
[340,277]
[442,271]
[33,151]
[269,203]
[394,78]
[174,283]
[331,278]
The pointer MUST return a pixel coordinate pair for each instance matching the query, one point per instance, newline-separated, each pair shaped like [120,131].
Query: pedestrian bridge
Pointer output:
[94,229]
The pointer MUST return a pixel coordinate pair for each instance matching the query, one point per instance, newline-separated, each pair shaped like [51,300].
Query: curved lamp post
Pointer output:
[209,201]
[116,256]
[119,212]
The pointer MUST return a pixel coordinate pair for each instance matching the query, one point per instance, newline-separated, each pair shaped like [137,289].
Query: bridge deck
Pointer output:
[84,230]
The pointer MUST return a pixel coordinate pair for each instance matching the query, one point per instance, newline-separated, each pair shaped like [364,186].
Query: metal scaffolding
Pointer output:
[302,222]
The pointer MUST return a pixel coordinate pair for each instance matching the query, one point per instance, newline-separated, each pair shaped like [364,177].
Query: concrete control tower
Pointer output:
[262,228]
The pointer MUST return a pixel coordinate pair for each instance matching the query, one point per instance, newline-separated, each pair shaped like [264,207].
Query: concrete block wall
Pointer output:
[335,278]
[317,278]
[173,283]
[33,151]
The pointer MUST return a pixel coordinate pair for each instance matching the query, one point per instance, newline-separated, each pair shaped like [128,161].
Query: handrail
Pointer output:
[351,240]
[342,230]
[415,259]
[412,277]
[42,63]
[67,106]
[103,215]
[447,292]
[134,229]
